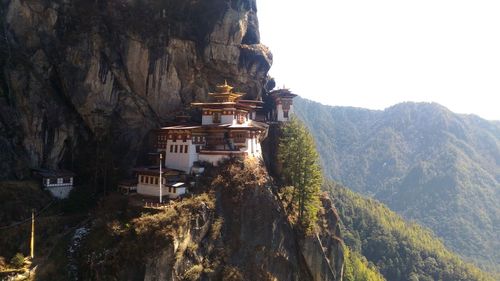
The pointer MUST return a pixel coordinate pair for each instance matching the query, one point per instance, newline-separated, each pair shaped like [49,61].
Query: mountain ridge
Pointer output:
[400,250]
[425,162]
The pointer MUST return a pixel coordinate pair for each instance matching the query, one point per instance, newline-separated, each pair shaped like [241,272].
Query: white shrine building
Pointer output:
[148,179]
[228,129]
[283,105]
[58,182]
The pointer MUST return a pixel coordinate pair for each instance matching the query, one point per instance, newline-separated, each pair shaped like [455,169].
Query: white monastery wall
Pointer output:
[60,192]
[214,159]
[151,189]
[178,158]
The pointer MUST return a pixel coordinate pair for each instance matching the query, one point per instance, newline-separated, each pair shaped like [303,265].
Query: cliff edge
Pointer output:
[233,228]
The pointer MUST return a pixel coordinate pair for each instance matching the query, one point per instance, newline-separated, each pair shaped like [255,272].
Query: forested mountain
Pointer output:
[425,162]
[400,250]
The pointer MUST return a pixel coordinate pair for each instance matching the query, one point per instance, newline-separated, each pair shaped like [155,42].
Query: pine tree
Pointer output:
[302,171]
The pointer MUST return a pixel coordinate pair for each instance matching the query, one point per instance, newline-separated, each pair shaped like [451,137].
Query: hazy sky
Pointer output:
[374,54]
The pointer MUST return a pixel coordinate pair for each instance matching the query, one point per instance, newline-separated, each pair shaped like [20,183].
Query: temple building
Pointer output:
[228,129]
[283,105]
[148,179]
[58,182]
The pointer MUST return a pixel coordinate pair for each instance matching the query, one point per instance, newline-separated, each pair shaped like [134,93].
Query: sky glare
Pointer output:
[374,54]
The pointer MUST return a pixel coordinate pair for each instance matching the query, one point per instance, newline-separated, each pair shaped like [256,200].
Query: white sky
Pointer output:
[374,54]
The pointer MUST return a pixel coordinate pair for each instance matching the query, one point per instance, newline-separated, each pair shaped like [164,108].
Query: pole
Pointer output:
[161,157]
[32,242]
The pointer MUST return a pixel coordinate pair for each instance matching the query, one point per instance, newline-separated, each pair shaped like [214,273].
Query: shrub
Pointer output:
[216,228]
[17,260]
[193,273]
[231,273]
[3,264]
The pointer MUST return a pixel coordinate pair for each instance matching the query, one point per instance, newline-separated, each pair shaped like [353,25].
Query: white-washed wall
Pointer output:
[154,190]
[151,189]
[214,159]
[181,161]
[60,192]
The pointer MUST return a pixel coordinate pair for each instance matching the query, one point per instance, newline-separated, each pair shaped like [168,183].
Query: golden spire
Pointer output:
[224,88]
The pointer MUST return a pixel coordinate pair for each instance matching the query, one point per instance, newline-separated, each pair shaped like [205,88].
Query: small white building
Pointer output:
[148,182]
[283,105]
[58,182]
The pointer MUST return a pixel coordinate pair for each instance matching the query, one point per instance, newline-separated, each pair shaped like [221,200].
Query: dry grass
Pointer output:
[238,174]
[231,273]
[194,273]
[216,228]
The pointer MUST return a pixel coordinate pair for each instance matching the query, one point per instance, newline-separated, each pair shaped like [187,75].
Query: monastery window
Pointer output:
[53,181]
[169,189]
[285,113]
[186,149]
[240,137]
[241,118]
[156,180]
[171,148]
[216,117]
[175,148]
[180,148]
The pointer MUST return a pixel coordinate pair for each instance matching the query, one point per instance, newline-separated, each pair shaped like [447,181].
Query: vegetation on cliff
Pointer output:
[400,250]
[222,231]
[54,222]
[357,268]
[301,173]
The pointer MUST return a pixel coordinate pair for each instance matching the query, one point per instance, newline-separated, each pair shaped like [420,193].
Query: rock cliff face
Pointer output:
[236,230]
[77,71]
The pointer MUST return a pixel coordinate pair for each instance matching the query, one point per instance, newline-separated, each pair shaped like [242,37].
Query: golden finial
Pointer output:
[224,88]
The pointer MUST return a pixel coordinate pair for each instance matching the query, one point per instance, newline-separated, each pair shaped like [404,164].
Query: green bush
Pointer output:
[17,260]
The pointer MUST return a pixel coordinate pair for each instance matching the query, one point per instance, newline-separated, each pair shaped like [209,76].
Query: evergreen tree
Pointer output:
[357,268]
[301,170]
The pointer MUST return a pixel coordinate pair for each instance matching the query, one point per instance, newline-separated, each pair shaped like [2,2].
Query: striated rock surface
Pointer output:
[236,230]
[74,72]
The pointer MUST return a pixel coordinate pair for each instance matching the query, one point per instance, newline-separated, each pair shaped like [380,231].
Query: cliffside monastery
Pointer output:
[230,127]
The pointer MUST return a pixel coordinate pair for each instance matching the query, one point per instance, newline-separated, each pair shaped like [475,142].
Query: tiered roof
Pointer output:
[224,97]
[282,93]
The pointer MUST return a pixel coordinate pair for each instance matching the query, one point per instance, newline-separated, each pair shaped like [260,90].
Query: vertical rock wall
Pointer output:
[74,70]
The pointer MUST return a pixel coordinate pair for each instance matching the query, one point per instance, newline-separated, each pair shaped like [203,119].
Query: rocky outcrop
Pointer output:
[324,252]
[237,230]
[77,72]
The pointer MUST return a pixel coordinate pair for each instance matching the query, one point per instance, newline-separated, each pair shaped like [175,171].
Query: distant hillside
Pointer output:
[401,251]
[425,162]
